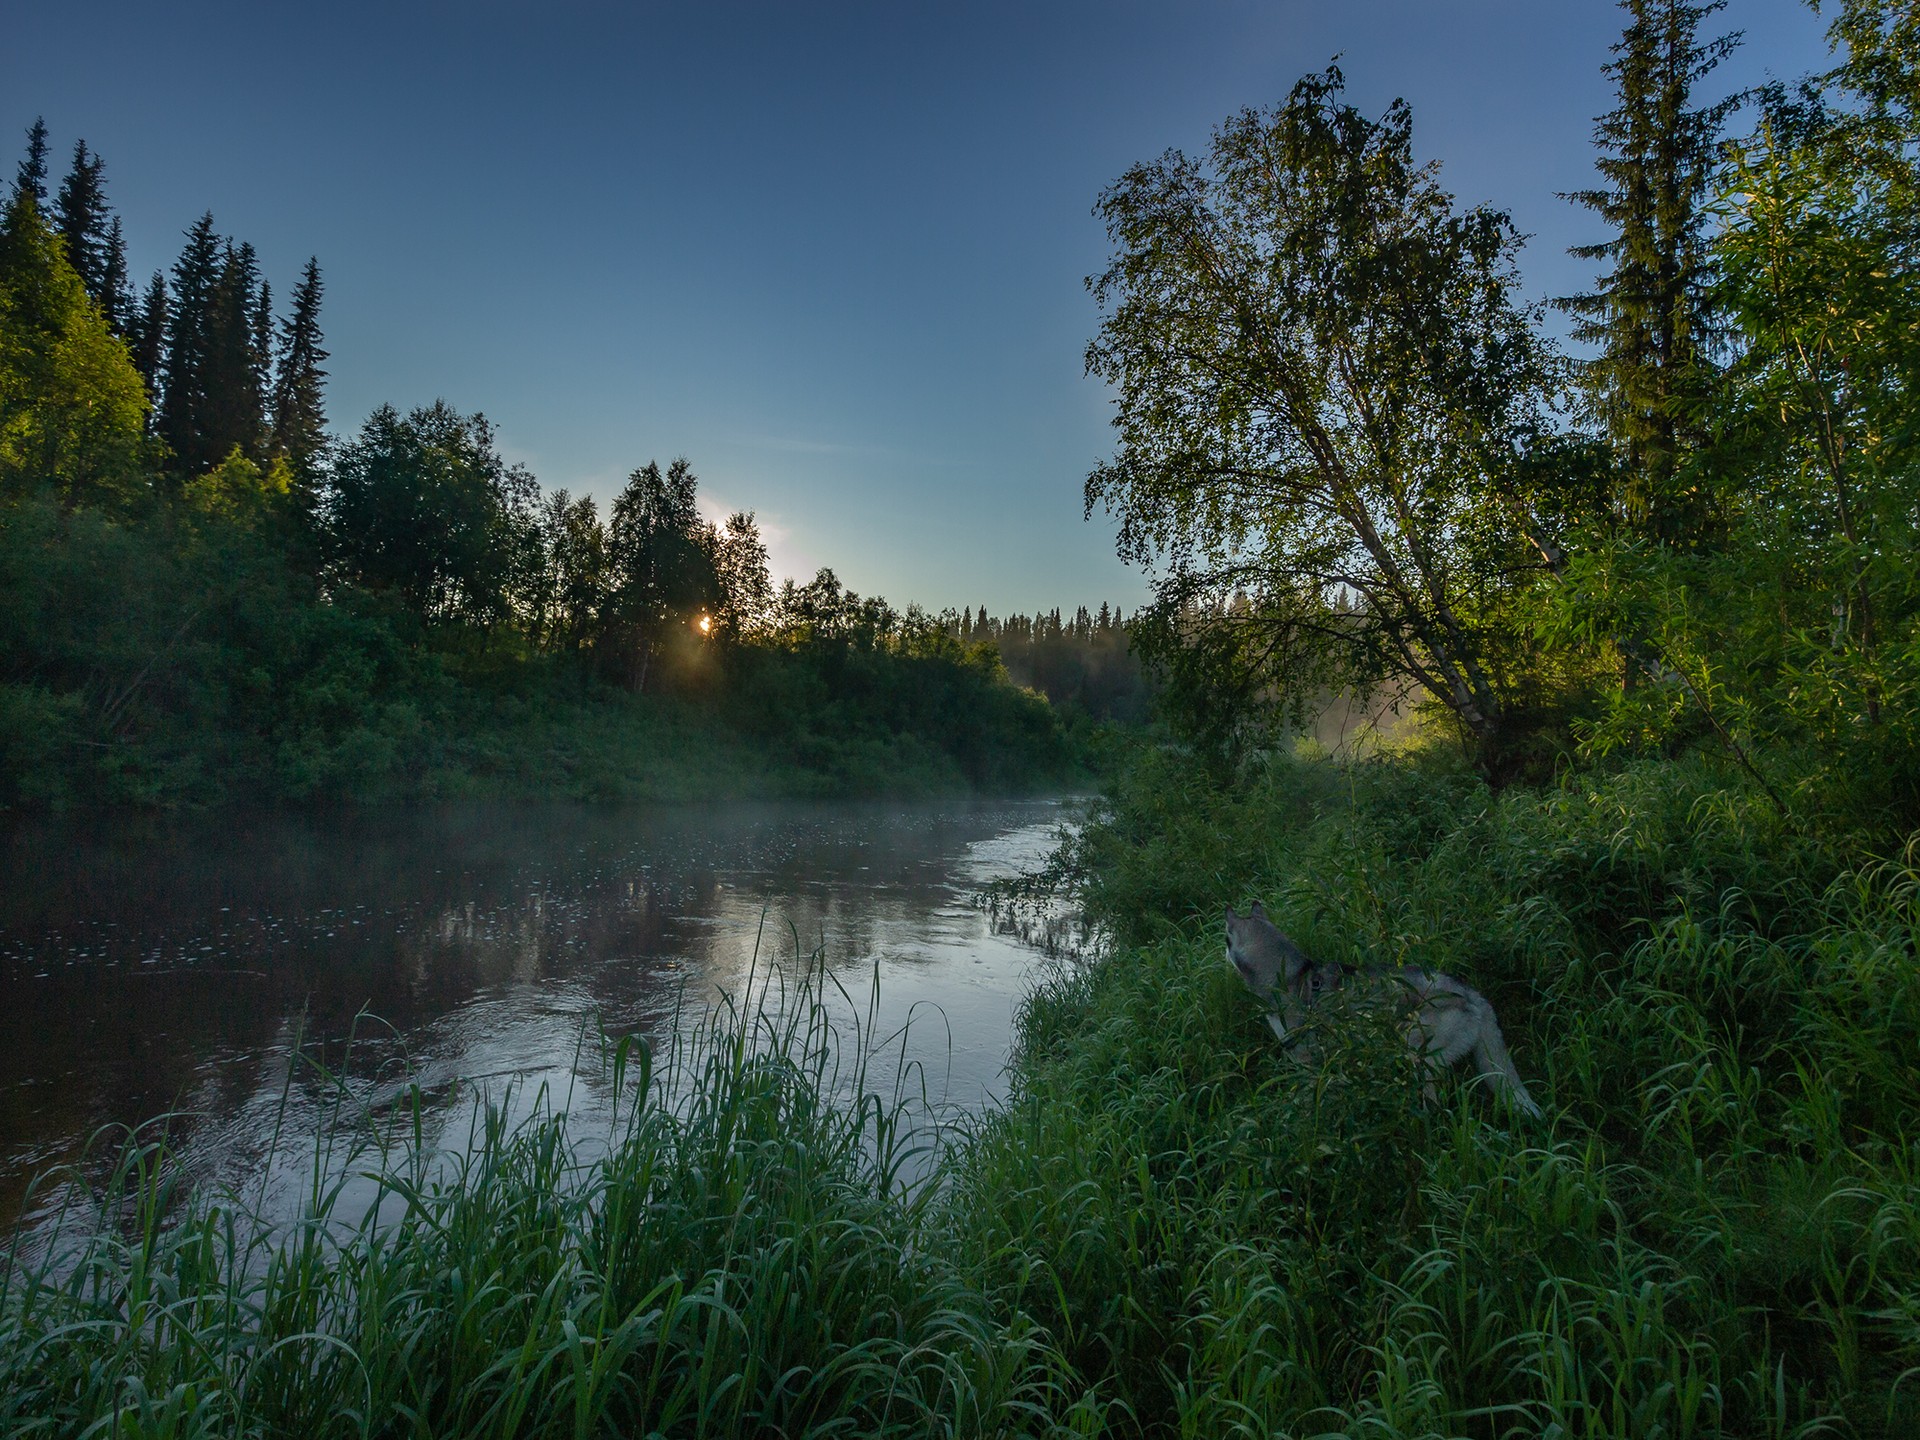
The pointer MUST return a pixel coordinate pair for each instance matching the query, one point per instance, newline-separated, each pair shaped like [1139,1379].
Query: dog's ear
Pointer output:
[1231,917]
[1257,912]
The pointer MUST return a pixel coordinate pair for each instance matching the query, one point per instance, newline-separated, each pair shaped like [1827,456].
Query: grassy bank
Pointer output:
[1170,1229]
[737,1260]
[1713,1232]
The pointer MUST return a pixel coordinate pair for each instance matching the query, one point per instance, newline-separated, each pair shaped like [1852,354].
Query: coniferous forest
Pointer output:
[1639,574]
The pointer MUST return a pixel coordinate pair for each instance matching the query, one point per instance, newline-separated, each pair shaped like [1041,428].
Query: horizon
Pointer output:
[835,259]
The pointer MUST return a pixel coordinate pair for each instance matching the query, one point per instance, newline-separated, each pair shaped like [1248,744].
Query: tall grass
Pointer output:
[1170,1229]
[1713,1232]
[738,1257]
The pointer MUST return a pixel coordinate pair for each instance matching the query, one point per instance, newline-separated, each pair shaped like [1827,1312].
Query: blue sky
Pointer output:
[833,253]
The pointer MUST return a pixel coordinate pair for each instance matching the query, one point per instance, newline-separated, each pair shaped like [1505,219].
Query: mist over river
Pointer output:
[151,966]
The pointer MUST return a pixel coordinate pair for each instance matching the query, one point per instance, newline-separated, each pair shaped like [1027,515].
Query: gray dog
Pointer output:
[1442,1019]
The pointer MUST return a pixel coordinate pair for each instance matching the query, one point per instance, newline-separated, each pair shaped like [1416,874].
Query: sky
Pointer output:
[832,253]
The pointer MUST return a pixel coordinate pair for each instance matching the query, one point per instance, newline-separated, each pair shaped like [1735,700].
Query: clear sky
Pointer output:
[833,253]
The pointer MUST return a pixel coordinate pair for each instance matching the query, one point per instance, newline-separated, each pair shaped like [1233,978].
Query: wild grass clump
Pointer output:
[739,1257]
[1713,1232]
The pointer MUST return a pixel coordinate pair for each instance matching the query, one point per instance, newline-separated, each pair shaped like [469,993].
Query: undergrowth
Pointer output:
[1170,1229]
[1714,1231]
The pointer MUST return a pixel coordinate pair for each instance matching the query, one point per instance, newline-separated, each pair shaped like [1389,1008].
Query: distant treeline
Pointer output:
[210,596]
[1083,664]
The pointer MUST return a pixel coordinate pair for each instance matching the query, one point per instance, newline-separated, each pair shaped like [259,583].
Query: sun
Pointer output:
[706,624]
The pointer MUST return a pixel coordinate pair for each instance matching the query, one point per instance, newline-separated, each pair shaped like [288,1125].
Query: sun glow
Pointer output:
[706,624]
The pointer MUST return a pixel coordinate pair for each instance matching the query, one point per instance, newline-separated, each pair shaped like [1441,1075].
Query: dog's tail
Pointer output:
[1490,1058]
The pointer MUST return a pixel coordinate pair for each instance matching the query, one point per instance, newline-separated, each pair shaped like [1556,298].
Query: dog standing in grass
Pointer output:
[1442,1019]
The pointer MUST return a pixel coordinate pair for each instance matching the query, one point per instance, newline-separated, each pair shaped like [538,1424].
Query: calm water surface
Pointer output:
[150,967]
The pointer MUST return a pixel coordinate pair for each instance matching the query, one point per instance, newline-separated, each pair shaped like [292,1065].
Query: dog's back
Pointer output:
[1444,1019]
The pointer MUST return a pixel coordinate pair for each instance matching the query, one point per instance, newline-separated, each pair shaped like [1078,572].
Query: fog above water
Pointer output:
[152,966]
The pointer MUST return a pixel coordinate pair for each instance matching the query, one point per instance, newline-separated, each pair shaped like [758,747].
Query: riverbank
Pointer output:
[1715,1229]
[1169,1228]
[159,661]
[953,727]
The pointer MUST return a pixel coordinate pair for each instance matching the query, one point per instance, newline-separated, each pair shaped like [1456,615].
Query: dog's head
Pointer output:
[1266,959]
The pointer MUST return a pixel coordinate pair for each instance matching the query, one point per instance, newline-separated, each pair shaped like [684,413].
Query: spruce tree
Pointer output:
[116,295]
[184,403]
[80,218]
[260,350]
[299,416]
[147,335]
[1649,313]
[31,177]
[235,416]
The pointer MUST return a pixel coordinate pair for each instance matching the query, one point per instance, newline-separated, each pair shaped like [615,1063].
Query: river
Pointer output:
[155,966]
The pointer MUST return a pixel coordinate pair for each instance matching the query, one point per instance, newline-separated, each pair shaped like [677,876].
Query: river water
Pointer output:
[154,967]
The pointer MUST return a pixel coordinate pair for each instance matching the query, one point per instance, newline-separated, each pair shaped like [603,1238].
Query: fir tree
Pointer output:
[31,178]
[299,417]
[1649,313]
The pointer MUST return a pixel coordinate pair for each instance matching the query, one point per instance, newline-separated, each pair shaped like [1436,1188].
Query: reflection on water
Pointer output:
[158,966]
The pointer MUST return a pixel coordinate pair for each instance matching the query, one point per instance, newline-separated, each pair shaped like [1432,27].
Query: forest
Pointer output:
[1650,602]
[1360,459]
[212,598]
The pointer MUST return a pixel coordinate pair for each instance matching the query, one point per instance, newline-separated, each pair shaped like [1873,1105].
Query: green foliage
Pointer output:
[90,236]
[856,705]
[742,580]
[1335,432]
[1707,1235]
[1652,316]
[187,658]
[1797,631]
[239,491]
[72,408]
[1326,392]
[569,587]
[299,412]
[423,507]
[661,575]
[1085,664]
